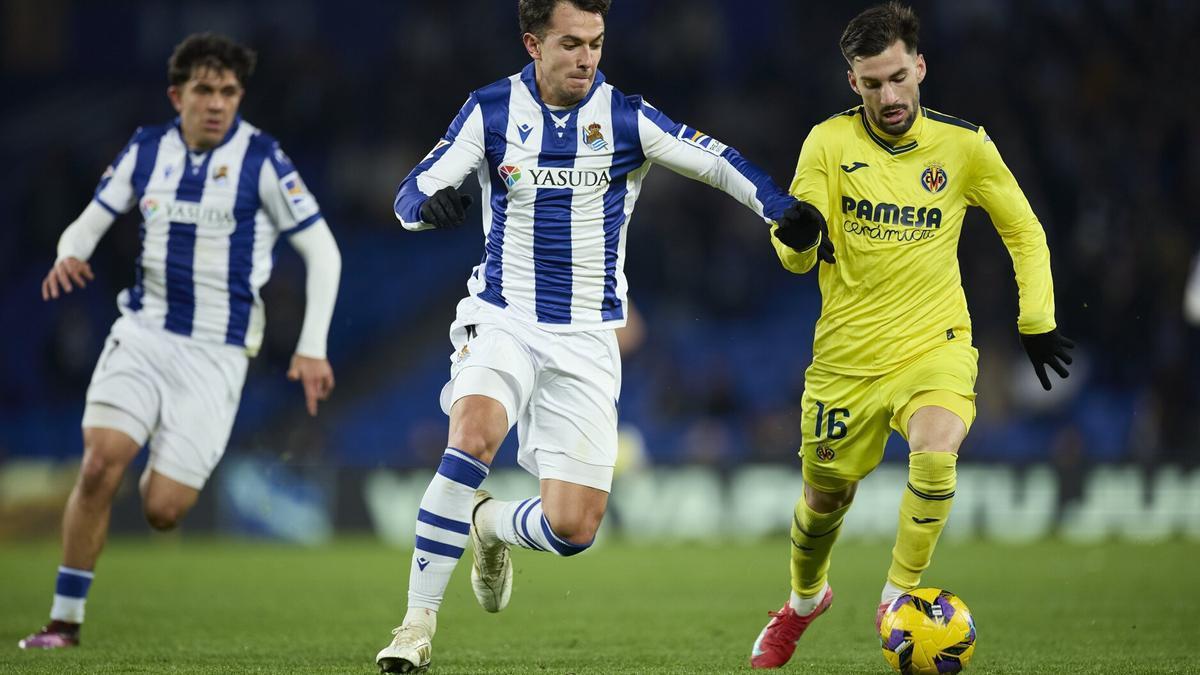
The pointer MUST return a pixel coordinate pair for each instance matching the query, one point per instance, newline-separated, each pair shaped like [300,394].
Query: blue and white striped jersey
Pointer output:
[558,191]
[210,220]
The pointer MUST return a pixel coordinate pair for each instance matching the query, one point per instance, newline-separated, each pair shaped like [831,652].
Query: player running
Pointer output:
[560,155]
[893,344]
[215,193]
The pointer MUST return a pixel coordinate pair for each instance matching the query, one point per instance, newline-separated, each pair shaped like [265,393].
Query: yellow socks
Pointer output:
[813,535]
[924,509]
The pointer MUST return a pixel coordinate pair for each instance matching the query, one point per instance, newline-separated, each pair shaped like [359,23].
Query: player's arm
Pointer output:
[810,185]
[428,197]
[295,212]
[113,196]
[698,156]
[994,188]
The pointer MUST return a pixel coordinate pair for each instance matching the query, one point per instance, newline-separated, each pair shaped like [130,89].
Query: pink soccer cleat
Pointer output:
[54,635]
[777,642]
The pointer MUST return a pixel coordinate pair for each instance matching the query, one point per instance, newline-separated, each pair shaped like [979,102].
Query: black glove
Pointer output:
[446,208]
[1048,349]
[799,228]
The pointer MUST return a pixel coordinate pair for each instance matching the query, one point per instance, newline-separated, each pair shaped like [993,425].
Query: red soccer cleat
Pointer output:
[777,642]
[883,608]
[54,635]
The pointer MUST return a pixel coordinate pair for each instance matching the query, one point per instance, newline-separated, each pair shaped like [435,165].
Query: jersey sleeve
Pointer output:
[456,155]
[115,191]
[810,184]
[994,189]
[284,195]
[693,154]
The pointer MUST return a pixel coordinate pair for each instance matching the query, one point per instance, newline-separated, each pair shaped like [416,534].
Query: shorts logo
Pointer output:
[510,174]
[825,453]
[593,138]
[934,178]
[463,354]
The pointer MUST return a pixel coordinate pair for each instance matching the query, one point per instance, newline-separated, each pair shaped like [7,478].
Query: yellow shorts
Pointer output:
[847,420]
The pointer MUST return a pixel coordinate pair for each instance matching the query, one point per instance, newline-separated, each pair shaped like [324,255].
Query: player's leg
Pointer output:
[489,386]
[165,501]
[933,401]
[568,438]
[478,425]
[843,433]
[122,406]
[934,436]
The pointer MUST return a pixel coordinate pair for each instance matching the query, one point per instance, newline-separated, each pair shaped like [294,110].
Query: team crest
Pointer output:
[934,178]
[825,453]
[593,138]
[221,174]
[510,174]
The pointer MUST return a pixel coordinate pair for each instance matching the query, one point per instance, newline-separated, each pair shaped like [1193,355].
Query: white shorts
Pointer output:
[179,394]
[560,389]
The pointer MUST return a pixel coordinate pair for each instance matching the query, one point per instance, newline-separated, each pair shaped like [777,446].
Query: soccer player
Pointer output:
[893,343]
[215,193]
[560,155]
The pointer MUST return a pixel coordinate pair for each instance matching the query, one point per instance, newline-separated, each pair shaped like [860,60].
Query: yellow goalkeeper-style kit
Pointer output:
[894,332]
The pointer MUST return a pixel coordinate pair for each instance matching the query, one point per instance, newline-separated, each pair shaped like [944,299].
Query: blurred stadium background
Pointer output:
[1084,99]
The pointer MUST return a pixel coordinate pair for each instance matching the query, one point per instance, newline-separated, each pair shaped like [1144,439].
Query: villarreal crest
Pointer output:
[934,178]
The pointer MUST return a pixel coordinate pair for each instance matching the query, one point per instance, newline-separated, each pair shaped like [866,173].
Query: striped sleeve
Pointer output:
[115,191]
[455,156]
[284,195]
[693,154]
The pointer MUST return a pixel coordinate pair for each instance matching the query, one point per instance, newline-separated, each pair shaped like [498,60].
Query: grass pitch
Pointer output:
[217,606]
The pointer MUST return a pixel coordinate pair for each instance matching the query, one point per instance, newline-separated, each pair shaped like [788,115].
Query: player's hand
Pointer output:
[64,276]
[317,377]
[800,227]
[446,208]
[1048,349]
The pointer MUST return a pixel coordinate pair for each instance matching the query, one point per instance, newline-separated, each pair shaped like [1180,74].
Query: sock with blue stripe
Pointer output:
[443,526]
[70,594]
[522,523]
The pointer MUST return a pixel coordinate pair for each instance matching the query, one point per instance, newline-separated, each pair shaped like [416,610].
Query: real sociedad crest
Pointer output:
[593,138]
[934,178]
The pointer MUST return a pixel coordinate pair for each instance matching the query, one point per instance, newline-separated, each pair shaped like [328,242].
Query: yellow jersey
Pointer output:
[895,210]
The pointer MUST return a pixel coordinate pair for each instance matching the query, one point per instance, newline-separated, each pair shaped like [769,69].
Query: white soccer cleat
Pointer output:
[492,570]
[409,651]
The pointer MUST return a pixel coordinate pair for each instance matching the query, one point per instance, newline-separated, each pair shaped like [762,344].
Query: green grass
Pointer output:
[215,606]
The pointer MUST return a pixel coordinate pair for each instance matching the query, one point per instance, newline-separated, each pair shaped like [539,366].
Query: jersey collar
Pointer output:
[529,77]
[894,145]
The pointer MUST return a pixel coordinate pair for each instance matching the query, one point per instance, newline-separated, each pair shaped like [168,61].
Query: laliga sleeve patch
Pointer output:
[701,140]
[299,200]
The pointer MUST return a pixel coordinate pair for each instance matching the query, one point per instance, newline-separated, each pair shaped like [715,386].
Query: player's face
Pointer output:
[207,104]
[568,55]
[889,84]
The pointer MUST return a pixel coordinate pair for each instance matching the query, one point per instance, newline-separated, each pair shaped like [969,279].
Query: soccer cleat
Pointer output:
[777,642]
[492,570]
[54,635]
[409,651]
[882,610]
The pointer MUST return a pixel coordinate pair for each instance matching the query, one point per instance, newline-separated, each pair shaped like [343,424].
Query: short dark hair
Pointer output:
[535,14]
[878,28]
[209,50]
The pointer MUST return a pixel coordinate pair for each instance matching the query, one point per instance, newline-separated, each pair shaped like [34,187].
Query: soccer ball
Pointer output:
[927,631]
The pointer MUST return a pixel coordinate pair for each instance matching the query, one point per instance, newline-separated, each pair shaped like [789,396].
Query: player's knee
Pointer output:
[99,474]
[932,443]
[828,502]
[575,533]
[163,515]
